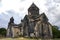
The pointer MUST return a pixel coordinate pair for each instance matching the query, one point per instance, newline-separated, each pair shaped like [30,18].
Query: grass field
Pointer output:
[21,38]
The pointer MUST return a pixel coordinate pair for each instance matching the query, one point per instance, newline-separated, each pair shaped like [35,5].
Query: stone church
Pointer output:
[32,25]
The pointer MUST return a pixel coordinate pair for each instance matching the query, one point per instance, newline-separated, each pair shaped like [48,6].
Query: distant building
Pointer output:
[32,25]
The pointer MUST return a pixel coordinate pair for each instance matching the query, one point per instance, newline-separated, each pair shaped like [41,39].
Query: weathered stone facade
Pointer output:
[13,30]
[32,25]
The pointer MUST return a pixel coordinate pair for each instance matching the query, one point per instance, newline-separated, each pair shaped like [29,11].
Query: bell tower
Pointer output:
[11,20]
[33,10]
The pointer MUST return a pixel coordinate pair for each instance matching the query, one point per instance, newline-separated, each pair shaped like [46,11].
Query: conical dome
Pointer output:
[33,6]
[33,10]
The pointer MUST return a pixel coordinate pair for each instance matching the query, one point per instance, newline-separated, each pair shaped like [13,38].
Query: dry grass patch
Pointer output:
[21,38]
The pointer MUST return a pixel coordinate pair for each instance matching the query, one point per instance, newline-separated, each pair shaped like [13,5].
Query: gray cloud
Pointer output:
[22,0]
[53,12]
[16,15]
[0,3]
[57,1]
[21,9]
[0,0]
[4,18]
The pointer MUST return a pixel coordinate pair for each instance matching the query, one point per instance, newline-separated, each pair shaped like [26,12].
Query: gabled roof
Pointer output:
[43,14]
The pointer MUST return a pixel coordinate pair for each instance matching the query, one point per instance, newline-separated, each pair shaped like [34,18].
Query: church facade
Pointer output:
[32,25]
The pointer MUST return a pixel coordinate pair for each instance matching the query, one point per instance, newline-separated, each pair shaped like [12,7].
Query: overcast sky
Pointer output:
[19,8]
